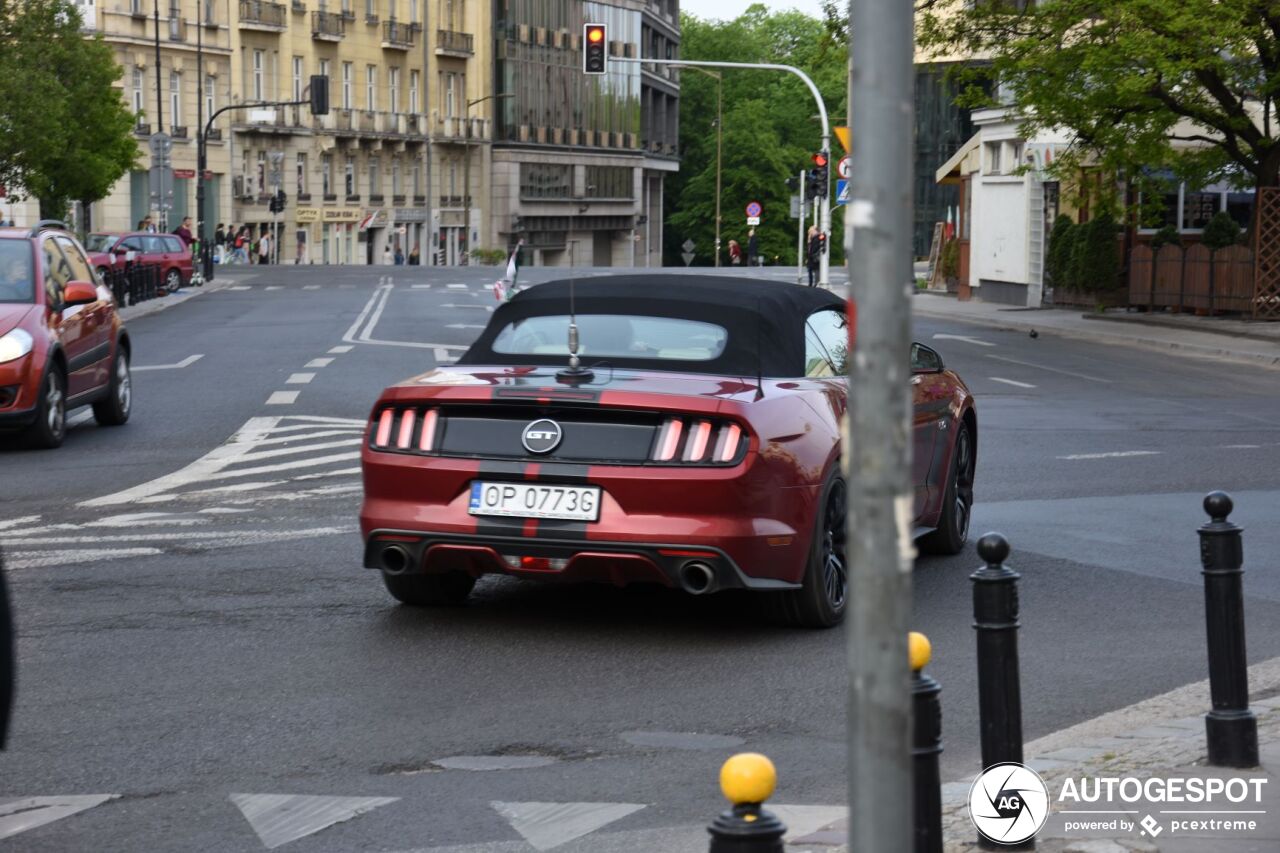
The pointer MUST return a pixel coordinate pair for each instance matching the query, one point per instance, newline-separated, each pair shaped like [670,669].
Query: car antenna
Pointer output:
[759,361]
[575,373]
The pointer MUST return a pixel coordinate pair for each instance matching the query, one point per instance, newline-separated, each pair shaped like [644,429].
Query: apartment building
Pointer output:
[578,161]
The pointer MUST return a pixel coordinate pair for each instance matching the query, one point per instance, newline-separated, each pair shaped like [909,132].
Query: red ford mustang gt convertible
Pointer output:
[683,430]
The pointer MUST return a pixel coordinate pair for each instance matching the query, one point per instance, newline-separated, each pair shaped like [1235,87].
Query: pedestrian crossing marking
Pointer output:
[20,815]
[280,818]
[548,825]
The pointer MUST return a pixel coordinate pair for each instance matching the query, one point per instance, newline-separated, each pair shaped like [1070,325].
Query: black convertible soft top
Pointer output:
[764,319]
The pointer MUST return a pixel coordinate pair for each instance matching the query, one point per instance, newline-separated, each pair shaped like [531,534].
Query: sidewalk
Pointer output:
[160,303]
[1161,737]
[1203,337]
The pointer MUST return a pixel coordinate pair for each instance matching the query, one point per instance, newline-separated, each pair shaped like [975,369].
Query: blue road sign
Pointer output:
[842,192]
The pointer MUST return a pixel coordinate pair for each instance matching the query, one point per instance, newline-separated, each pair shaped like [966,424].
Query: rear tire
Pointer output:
[431,590]
[50,426]
[113,410]
[957,501]
[820,602]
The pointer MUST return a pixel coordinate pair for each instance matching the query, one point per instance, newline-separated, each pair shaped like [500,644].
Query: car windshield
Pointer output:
[101,242]
[17,276]
[614,336]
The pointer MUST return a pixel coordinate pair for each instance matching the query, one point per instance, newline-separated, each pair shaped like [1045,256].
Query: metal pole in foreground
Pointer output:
[995,618]
[1231,728]
[881,552]
[800,259]
[926,746]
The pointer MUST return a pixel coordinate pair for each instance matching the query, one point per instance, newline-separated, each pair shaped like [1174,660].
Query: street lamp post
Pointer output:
[466,166]
[719,139]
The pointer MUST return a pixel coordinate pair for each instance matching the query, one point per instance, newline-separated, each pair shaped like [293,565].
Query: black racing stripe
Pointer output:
[576,395]
[562,472]
[500,471]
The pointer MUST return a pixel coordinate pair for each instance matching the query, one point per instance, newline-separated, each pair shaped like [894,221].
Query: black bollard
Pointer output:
[1231,728]
[747,780]
[926,746]
[995,617]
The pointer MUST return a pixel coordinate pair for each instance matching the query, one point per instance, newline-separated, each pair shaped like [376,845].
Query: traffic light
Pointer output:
[812,185]
[276,205]
[319,94]
[820,163]
[595,43]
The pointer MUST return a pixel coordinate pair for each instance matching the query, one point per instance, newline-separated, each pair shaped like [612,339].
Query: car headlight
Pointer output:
[15,345]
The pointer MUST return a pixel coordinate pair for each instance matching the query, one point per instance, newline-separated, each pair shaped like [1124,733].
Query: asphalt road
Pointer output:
[194,624]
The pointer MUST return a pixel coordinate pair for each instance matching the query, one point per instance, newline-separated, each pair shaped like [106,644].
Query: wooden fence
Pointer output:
[1193,279]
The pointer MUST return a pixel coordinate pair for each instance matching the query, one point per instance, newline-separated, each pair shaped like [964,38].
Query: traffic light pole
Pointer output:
[824,203]
[801,261]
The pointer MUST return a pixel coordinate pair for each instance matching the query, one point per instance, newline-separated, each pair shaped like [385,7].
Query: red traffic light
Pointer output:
[595,35]
[820,159]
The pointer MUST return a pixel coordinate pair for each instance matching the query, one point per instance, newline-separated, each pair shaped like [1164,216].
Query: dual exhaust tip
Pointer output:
[696,577]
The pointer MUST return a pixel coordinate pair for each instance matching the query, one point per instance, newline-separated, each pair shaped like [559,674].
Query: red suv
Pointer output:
[62,344]
[165,250]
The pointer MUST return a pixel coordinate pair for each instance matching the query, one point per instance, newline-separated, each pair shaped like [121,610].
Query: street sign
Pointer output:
[754,209]
[845,167]
[687,254]
[267,116]
[842,192]
[753,220]
[161,144]
[842,133]
[799,209]
[688,258]
[687,245]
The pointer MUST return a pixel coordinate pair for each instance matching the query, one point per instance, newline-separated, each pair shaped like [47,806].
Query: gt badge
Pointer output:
[541,436]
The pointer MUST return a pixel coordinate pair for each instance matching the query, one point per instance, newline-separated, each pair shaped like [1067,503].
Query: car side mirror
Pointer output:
[79,293]
[925,360]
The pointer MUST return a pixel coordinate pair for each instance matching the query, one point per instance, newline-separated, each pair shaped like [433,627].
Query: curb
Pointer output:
[1147,320]
[155,306]
[1177,347]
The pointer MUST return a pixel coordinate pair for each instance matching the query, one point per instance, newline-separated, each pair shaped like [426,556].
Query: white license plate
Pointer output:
[535,500]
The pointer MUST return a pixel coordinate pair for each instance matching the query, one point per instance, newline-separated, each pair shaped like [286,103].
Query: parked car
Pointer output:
[697,445]
[167,251]
[62,344]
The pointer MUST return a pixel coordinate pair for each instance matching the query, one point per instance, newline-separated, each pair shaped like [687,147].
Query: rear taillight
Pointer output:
[405,429]
[698,441]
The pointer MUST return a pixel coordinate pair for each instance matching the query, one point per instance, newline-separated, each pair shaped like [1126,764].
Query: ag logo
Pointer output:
[541,436]
[1008,803]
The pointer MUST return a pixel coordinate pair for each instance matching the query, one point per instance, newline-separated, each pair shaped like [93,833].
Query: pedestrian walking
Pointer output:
[753,249]
[735,253]
[240,246]
[813,253]
[399,256]
[183,231]
[264,248]
[387,258]
[415,256]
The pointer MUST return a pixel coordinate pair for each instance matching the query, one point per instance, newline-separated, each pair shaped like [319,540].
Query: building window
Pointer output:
[371,88]
[1190,210]
[175,99]
[375,179]
[393,88]
[451,85]
[993,157]
[302,173]
[256,85]
[546,180]
[346,85]
[210,96]
[609,182]
[297,78]
[139,93]
[324,69]
[413,91]
[350,176]
[396,188]
[370,9]
[246,173]
[413,11]
[417,178]
[326,174]
[262,172]
[452,14]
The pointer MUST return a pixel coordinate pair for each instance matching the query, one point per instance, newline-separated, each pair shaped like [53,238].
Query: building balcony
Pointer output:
[214,135]
[371,19]
[454,129]
[260,15]
[450,43]
[348,14]
[397,36]
[397,198]
[353,198]
[330,196]
[375,198]
[326,26]
[142,129]
[178,132]
[304,197]
[299,6]
[177,29]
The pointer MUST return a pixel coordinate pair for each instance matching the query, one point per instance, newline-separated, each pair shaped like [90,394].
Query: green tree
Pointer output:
[1190,85]
[65,131]
[770,129]
[1061,245]
[1221,231]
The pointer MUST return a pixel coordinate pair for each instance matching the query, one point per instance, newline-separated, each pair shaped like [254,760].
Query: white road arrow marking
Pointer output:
[20,815]
[281,818]
[965,338]
[186,362]
[548,825]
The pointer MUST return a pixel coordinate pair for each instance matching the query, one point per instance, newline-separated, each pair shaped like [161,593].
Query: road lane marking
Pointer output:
[275,287]
[420,286]
[18,522]
[549,825]
[70,557]
[319,362]
[456,286]
[187,536]
[361,331]
[20,815]
[340,350]
[1012,382]
[282,398]
[186,362]
[293,451]
[1242,447]
[310,287]
[280,818]
[965,338]
[463,326]
[239,287]
[1119,454]
[299,378]
[1050,369]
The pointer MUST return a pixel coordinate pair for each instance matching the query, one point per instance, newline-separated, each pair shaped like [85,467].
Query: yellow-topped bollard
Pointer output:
[919,650]
[747,780]
[748,777]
